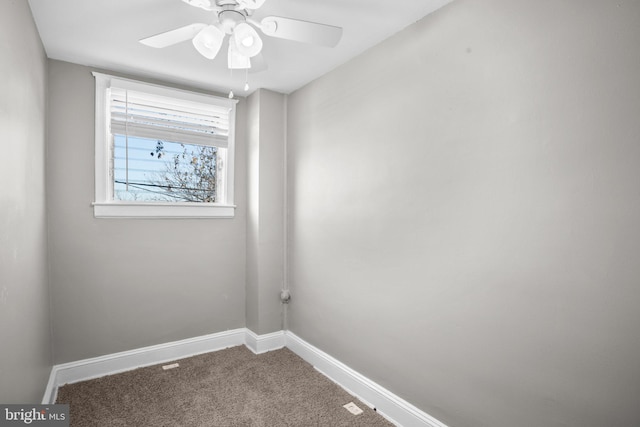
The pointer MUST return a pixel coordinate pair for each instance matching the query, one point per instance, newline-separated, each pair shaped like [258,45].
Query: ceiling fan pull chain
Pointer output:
[231,78]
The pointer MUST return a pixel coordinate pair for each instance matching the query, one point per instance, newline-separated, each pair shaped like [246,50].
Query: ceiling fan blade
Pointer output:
[207,5]
[301,31]
[174,36]
[258,64]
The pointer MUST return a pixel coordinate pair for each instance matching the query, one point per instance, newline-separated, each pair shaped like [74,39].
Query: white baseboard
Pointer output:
[392,407]
[397,410]
[96,367]
[263,343]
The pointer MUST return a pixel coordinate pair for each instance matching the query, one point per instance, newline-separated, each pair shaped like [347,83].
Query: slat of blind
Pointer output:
[143,111]
[173,96]
[168,103]
[144,131]
[195,112]
[154,116]
[161,122]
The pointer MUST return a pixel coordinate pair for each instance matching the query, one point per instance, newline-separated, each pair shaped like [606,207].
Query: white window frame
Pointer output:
[106,207]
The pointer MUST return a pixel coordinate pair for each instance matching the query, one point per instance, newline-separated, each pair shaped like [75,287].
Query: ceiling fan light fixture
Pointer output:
[247,41]
[208,41]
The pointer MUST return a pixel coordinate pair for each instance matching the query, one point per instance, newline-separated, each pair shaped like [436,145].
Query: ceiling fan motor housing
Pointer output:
[230,17]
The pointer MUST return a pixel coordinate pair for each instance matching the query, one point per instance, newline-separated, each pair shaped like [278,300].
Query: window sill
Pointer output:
[162,210]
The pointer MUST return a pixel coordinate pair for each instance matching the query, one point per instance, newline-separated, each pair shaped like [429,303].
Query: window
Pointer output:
[162,152]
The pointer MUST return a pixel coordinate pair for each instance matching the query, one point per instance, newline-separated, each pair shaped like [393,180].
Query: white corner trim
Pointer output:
[51,392]
[96,367]
[392,407]
[263,343]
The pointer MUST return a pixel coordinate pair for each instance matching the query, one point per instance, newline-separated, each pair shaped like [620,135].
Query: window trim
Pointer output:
[105,207]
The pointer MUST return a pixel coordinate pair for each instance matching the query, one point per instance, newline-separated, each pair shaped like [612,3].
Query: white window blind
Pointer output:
[148,115]
[155,133]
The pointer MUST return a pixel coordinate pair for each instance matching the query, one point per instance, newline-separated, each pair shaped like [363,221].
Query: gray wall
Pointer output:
[25,334]
[266,112]
[464,208]
[119,284]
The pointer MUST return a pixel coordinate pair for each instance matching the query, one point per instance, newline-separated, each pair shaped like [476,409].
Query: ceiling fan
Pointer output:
[234,18]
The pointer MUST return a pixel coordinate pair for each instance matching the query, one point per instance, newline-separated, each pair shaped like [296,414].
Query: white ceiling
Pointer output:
[105,34]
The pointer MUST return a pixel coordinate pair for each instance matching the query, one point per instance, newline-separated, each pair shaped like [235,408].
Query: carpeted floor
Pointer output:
[232,387]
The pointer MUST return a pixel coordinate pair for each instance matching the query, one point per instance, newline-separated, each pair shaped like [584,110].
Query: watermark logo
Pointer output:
[34,415]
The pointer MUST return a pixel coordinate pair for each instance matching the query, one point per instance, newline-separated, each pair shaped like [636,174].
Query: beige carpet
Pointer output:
[232,387]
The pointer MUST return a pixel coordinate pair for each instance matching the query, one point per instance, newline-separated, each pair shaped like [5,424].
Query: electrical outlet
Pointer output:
[353,408]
